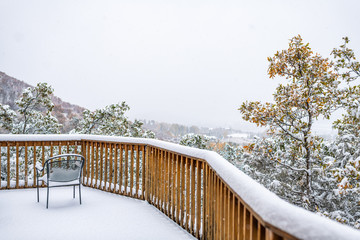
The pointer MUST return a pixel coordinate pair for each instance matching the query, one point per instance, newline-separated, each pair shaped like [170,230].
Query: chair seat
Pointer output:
[54,184]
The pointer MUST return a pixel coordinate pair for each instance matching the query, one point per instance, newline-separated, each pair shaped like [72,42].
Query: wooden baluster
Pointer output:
[198,198]
[43,157]
[17,165]
[217,214]
[101,165]
[153,173]
[164,180]
[205,190]
[178,188]
[206,202]
[173,189]
[237,216]
[137,171]
[105,167]
[116,169]
[34,163]
[144,172]
[83,152]
[59,148]
[233,214]
[126,169]
[158,178]
[160,166]
[226,213]
[110,166]
[0,165]
[42,153]
[26,164]
[187,214]
[221,213]
[170,184]
[92,163]
[51,149]
[87,164]
[183,165]
[229,215]
[131,171]
[251,229]
[215,209]
[269,235]
[166,183]
[121,167]
[150,189]
[96,166]
[208,191]
[165,188]
[192,223]
[161,181]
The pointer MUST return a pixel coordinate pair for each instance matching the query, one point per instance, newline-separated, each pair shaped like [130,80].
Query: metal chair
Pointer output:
[61,171]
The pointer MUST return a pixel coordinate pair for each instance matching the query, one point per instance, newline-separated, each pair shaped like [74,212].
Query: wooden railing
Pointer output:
[188,186]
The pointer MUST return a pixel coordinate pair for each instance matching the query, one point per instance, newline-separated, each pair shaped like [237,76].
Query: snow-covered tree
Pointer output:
[231,152]
[112,121]
[307,95]
[345,164]
[194,140]
[33,115]
[7,117]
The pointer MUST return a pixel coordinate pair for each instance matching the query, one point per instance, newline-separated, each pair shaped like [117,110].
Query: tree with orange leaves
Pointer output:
[307,95]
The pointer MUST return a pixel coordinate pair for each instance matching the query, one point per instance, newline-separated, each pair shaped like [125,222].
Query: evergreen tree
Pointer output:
[111,121]
[194,140]
[33,115]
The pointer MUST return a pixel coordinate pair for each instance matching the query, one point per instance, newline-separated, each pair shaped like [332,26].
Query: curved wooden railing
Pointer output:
[197,189]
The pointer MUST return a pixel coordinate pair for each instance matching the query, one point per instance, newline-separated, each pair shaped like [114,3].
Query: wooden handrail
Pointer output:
[190,186]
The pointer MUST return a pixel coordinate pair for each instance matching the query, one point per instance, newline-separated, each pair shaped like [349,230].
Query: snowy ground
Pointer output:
[102,215]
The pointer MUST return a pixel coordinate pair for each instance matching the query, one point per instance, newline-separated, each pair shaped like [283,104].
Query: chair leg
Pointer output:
[37,189]
[74,192]
[47,199]
[80,193]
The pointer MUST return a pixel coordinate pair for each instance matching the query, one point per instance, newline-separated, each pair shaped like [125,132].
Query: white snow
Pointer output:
[294,220]
[102,215]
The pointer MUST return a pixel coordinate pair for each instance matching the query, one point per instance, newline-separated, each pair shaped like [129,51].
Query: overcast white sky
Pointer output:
[188,62]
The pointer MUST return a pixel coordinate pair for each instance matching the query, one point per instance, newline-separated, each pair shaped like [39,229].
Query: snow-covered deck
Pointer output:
[102,215]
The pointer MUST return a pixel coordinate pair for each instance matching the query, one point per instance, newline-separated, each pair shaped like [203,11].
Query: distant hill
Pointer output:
[66,113]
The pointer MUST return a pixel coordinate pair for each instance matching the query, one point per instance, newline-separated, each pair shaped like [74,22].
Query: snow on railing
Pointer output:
[198,189]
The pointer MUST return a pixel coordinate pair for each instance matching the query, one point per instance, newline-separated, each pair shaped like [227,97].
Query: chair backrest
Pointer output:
[65,167]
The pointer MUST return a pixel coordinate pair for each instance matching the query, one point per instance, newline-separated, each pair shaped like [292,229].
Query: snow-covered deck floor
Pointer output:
[102,215]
